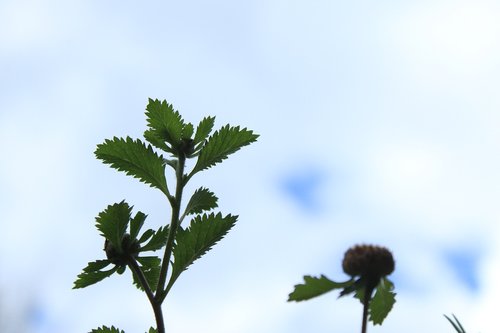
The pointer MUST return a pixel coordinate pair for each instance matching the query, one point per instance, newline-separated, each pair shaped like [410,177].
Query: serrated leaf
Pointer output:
[146,235]
[222,143]
[156,141]
[93,273]
[135,159]
[314,287]
[203,130]
[150,267]
[136,224]
[382,302]
[157,241]
[164,121]
[113,222]
[191,243]
[105,329]
[152,330]
[201,200]
[187,131]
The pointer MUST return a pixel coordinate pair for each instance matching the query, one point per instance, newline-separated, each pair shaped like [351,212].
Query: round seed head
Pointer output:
[368,261]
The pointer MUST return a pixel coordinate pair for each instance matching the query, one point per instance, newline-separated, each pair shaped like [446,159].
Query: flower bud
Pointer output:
[130,248]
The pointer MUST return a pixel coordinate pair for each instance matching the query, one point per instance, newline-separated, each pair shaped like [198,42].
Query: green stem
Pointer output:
[160,325]
[174,225]
[366,305]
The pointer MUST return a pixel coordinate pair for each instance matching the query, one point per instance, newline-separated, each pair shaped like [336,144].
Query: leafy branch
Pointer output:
[368,267]
[125,245]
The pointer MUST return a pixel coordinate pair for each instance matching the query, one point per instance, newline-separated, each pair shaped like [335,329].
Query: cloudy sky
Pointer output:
[379,123]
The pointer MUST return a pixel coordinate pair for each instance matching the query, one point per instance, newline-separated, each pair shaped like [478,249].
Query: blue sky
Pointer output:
[378,122]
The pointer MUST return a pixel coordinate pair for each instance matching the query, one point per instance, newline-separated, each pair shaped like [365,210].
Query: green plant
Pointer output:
[368,267]
[125,245]
[456,324]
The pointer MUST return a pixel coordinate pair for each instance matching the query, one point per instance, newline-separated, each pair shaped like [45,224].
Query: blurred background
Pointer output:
[379,123]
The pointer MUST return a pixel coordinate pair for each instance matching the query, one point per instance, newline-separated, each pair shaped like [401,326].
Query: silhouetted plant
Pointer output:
[368,267]
[456,324]
[125,245]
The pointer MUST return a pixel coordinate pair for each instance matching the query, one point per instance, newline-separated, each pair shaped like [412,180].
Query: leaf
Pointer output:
[121,269]
[203,130]
[136,224]
[152,330]
[164,121]
[201,200]
[105,329]
[456,324]
[157,241]
[382,302]
[314,286]
[204,232]
[93,273]
[187,131]
[156,141]
[113,222]
[146,235]
[150,267]
[135,159]
[222,143]
[357,287]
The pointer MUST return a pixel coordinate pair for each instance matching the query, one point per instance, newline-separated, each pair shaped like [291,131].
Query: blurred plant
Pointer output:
[125,246]
[368,267]
[455,323]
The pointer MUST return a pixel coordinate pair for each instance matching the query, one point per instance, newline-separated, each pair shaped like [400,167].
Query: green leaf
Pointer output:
[314,286]
[105,329]
[456,324]
[222,143]
[113,222]
[150,267]
[121,269]
[201,200]
[357,287]
[152,330]
[203,233]
[146,235]
[164,121]
[136,224]
[135,159]
[187,131]
[203,130]
[157,241]
[156,141]
[93,273]
[382,302]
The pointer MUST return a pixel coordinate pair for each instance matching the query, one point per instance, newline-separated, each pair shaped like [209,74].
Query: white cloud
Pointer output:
[457,39]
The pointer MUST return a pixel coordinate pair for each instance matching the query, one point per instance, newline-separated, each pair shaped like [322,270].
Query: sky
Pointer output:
[378,124]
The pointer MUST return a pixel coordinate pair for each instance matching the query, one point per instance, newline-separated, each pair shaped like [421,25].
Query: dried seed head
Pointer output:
[368,261]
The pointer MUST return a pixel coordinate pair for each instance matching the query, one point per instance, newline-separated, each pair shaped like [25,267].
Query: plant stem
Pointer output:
[174,225]
[366,305]
[160,326]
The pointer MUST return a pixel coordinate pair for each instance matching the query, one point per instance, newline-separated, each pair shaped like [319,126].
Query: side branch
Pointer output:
[160,326]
